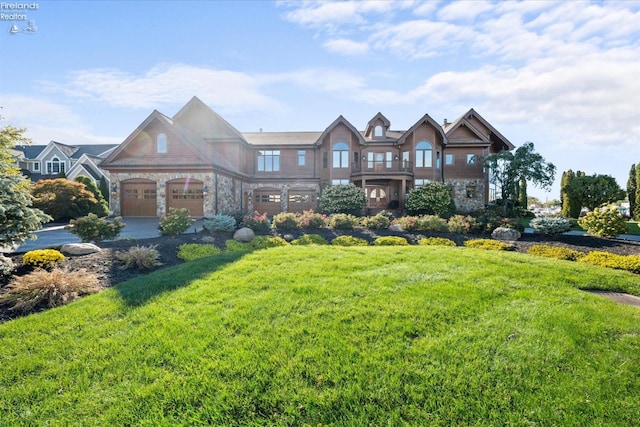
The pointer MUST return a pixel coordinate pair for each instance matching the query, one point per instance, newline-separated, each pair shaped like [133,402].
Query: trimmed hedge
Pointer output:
[390,241]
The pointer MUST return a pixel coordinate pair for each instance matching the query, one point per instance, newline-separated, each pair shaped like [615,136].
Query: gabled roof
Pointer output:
[428,120]
[95,150]
[205,123]
[281,138]
[494,137]
[371,125]
[336,122]
[32,152]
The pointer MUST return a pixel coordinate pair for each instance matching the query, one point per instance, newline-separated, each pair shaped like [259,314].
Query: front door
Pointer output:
[378,196]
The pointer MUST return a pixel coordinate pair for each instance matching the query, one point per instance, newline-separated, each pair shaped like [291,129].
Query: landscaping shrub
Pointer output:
[550,225]
[436,241]
[64,199]
[390,241]
[408,223]
[265,242]
[192,251]
[605,222]
[605,259]
[42,258]
[91,228]
[488,244]
[310,239]
[102,207]
[224,223]
[379,221]
[491,218]
[177,221]
[42,288]
[432,223]
[256,221]
[6,266]
[141,257]
[342,221]
[349,241]
[433,198]
[235,246]
[463,224]
[347,199]
[310,220]
[285,221]
[556,252]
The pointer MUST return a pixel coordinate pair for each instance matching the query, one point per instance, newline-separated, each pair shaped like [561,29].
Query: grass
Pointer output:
[314,335]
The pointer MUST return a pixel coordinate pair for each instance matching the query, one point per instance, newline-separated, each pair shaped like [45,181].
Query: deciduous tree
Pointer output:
[593,191]
[64,199]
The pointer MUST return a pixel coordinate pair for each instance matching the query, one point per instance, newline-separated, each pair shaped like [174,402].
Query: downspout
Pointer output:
[216,197]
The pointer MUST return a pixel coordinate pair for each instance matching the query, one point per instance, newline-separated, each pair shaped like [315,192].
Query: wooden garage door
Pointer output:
[138,198]
[302,200]
[186,194]
[268,201]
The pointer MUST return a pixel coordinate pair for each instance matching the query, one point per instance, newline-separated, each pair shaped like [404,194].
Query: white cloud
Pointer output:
[346,47]
[463,10]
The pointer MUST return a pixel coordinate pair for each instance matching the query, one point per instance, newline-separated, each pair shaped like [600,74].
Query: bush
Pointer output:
[605,259]
[177,221]
[343,221]
[491,218]
[91,228]
[256,221]
[235,246]
[310,239]
[378,222]
[342,199]
[488,244]
[462,224]
[310,220]
[141,257]
[6,266]
[42,258]
[390,241]
[64,199]
[436,241]
[549,225]
[433,198]
[265,242]
[432,223]
[408,223]
[556,252]
[605,222]
[285,221]
[219,223]
[102,207]
[349,241]
[191,251]
[41,288]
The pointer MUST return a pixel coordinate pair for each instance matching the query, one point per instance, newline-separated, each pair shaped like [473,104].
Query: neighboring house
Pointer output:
[51,160]
[199,161]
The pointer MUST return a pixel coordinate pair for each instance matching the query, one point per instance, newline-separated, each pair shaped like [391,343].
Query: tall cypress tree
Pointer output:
[632,188]
[636,212]
[565,196]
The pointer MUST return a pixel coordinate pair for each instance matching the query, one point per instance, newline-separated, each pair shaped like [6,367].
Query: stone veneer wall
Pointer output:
[284,192]
[464,203]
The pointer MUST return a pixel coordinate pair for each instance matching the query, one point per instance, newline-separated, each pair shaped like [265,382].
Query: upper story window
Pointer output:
[377,131]
[268,160]
[302,157]
[55,166]
[471,159]
[339,182]
[448,159]
[340,155]
[424,155]
[161,143]
[36,166]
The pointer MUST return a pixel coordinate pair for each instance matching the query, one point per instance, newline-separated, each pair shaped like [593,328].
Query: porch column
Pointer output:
[403,192]
[364,187]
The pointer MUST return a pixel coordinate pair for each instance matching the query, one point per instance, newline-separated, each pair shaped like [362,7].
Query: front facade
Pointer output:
[198,161]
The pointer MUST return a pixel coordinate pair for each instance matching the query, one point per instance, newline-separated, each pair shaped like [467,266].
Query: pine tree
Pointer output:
[632,185]
[636,212]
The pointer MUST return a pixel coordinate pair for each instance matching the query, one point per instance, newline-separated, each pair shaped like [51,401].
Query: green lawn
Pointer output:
[334,336]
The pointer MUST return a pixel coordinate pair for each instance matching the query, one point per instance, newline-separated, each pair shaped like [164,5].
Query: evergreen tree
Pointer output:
[522,196]
[570,204]
[632,185]
[104,188]
[636,212]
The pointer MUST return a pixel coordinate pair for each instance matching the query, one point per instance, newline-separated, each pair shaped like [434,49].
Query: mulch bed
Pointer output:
[109,273]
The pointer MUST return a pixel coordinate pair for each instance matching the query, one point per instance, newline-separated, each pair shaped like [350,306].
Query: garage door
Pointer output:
[302,200]
[268,201]
[138,198]
[186,193]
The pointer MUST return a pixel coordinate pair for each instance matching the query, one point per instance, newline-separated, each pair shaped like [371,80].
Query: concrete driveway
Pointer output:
[135,228]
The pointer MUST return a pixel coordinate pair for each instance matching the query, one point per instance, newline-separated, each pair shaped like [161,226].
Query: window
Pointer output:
[471,159]
[437,160]
[302,157]
[424,154]
[55,166]
[471,191]
[161,143]
[268,160]
[417,183]
[36,166]
[377,131]
[340,155]
[405,159]
[339,182]
[268,198]
[300,198]
[448,159]
[325,160]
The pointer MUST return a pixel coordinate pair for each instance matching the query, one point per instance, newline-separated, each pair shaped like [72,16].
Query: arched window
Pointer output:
[424,155]
[340,155]
[55,166]
[161,143]
[377,131]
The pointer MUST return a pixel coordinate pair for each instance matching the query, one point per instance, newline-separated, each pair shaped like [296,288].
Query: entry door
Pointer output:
[378,197]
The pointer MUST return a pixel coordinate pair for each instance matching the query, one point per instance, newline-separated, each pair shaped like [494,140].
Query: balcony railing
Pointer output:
[381,166]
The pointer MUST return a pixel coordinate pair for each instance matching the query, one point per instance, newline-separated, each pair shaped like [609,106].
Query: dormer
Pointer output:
[377,127]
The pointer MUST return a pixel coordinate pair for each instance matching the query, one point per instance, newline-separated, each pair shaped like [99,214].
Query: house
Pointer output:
[54,159]
[197,160]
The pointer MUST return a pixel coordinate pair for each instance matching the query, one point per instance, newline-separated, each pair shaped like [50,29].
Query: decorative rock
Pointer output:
[503,233]
[288,237]
[395,227]
[79,248]
[244,234]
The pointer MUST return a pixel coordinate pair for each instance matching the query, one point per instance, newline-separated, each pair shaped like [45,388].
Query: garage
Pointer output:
[268,201]
[138,198]
[186,193]
[302,200]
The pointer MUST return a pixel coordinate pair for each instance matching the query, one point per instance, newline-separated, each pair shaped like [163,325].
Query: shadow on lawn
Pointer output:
[140,290]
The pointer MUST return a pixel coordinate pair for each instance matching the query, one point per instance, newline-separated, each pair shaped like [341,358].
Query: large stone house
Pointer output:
[199,161]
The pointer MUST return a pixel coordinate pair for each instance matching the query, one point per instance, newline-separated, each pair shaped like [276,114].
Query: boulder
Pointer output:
[244,235]
[503,233]
[396,227]
[79,248]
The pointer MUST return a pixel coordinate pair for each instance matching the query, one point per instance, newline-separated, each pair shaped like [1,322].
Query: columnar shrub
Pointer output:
[488,244]
[390,241]
[549,225]
[433,198]
[256,221]
[604,222]
[42,258]
[556,252]
[219,223]
[342,199]
[349,241]
[285,221]
[605,259]
[91,228]
[310,239]
[177,221]
[191,251]
[436,241]
[463,224]
[141,257]
[310,220]
[343,221]
[376,222]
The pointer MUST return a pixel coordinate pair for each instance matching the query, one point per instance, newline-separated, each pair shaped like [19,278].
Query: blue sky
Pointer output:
[564,75]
